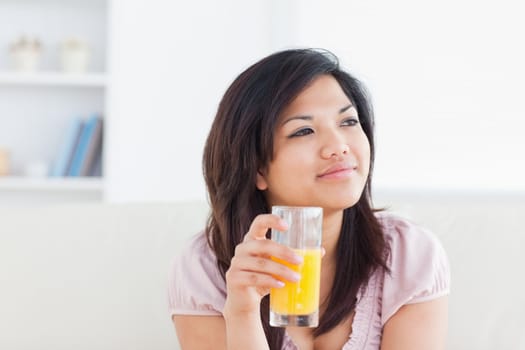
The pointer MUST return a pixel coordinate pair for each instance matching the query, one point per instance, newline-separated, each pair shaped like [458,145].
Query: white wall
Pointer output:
[445,79]
[447,82]
[170,62]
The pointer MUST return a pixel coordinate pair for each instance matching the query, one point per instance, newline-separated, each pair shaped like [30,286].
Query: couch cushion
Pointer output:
[484,237]
[90,276]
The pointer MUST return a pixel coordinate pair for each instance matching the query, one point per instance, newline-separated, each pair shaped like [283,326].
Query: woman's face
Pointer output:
[321,153]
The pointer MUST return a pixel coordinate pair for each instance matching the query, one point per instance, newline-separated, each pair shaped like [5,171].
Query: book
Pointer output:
[96,170]
[94,150]
[87,138]
[67,147]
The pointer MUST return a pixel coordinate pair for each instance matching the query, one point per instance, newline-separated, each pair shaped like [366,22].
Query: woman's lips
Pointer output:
[337,171]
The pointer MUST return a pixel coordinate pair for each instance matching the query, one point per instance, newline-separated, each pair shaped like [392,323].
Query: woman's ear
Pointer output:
[260,182]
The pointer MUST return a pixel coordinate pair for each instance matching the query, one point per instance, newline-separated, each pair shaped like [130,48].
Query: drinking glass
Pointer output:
[297,303]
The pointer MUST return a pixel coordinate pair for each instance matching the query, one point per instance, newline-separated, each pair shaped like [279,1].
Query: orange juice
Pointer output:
[302,297]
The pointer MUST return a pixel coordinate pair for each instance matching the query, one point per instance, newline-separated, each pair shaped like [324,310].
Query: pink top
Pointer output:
[419,272]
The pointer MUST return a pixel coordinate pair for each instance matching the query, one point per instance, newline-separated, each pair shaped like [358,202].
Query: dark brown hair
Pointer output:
[241,142]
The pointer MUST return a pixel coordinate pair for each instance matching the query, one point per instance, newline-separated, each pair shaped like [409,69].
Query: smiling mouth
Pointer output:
[338,173]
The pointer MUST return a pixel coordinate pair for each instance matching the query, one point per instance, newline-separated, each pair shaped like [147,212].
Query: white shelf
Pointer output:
[37,107]
[53,79]
[69,184]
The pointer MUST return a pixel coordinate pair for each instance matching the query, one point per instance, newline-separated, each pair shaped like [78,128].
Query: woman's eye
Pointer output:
[302,132]
[350,122]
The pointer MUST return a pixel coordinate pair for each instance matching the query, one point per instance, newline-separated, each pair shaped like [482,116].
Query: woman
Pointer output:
[294,129]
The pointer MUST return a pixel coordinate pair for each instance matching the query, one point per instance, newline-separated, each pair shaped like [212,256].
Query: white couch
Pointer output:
[93,276]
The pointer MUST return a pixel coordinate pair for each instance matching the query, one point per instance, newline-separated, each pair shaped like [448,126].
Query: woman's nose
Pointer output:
[335,147]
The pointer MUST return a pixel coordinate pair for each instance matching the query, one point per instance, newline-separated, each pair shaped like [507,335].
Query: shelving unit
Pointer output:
[36,107]
[81,184]
[52,79]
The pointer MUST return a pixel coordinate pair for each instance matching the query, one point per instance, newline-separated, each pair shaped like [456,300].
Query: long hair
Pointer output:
[241,142]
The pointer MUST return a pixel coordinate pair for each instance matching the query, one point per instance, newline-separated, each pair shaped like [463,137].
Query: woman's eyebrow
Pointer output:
[309,117]
[344,109]
[300,117]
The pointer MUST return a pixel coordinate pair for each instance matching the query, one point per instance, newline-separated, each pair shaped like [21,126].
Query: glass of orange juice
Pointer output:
[297,303]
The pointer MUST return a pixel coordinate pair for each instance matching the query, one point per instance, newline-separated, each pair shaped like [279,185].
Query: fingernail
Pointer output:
[279,284]
[298,259]
[283,223]
[295,277]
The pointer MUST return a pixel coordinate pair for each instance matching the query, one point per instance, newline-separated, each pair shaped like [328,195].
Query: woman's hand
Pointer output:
[252,272]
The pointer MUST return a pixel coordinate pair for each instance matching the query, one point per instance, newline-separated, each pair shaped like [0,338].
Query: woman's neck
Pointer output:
[332,223]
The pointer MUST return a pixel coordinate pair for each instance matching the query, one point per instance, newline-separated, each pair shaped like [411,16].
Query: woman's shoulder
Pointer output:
[419,268]
[408,238]
[195,285]
[197,248]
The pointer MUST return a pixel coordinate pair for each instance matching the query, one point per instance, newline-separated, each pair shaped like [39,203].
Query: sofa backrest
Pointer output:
[95,276]
[484,238]
[90,276]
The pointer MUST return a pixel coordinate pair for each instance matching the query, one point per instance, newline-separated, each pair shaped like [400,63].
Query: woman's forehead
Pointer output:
[324,93]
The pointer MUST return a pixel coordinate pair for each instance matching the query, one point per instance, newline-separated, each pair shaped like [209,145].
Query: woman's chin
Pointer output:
[339,205]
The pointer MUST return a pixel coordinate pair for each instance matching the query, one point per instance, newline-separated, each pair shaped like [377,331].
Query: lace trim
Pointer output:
[288,343]
[365,310]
